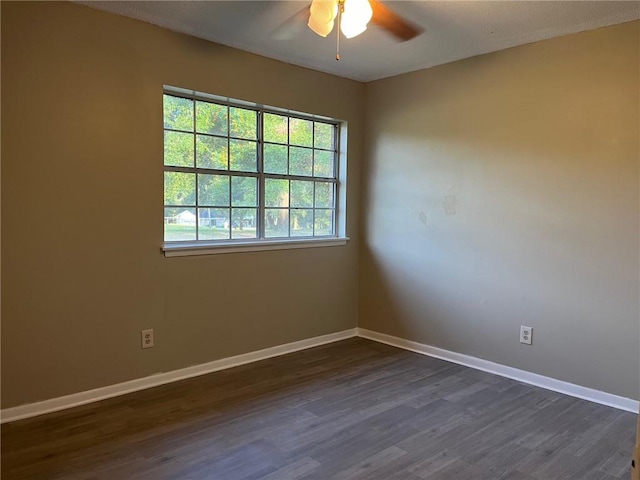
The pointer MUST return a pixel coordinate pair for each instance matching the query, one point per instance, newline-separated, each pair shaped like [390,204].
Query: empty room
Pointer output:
[321,239]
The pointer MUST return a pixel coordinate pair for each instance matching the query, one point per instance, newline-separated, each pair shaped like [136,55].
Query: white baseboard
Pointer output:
[549,383]
[97,394]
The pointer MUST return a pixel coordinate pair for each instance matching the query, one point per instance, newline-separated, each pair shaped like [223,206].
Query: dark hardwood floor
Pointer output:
[353,409]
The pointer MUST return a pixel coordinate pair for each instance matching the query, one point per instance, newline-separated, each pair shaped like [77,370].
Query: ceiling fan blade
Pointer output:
[291,27]
[393,23]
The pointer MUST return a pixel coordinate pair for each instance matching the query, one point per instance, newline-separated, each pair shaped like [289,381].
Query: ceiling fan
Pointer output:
[353,17]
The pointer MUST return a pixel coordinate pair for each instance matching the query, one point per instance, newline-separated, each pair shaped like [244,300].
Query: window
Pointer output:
[238,173]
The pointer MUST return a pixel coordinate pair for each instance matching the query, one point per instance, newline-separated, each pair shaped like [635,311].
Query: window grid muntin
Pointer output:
[260,175]
[260,221]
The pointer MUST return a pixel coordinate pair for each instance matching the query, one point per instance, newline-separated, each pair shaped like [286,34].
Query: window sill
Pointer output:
[188,249]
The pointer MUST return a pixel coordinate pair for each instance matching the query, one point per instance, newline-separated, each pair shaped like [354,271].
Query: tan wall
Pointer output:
[82,208]
[502,191]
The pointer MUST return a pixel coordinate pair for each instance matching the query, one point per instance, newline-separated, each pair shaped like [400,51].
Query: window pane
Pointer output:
[302,223]
[179,224]
[243,123]
[244,156]
[178,113]
[275,128]
[300,161]
[276,193]
[202,136]
[301,193]
[323,136]
[243,223]
[178,149]
[276,222]
[323,222]
[211,118]
[275,159]
[213,190]
[244,191]
[300,132]
[213,224]
[324,195]
[211,152]
[323,164]
[180,189]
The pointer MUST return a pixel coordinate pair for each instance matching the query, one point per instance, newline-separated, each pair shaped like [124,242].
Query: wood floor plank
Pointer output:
[349,410]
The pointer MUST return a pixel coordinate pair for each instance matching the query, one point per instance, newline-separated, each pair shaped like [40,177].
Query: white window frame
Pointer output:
[207,247]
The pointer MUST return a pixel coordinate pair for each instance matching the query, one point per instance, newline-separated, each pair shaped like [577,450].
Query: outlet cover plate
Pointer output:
[526,334]
[147,338]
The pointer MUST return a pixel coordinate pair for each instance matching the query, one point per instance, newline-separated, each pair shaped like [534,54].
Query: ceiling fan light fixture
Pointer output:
[351,27]
[355,17]
[324,11]
[358,10]
[321,28]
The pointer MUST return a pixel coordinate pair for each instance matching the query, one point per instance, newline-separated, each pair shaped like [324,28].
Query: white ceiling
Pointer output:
[452,30]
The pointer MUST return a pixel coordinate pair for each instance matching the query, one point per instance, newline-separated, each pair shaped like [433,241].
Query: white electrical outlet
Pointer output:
[147,338]
[525,334]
